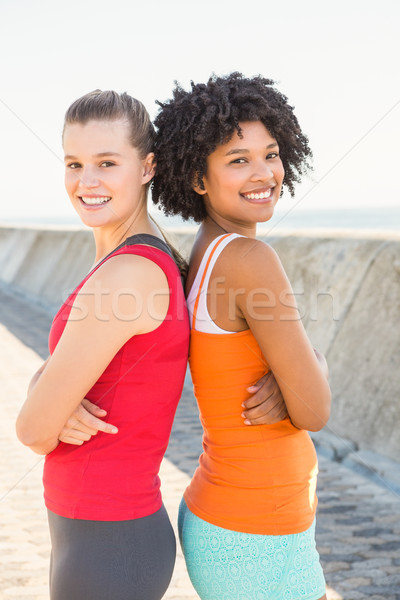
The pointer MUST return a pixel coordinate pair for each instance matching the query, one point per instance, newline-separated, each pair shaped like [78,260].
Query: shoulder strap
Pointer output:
[196,304]
[141,239]
[145,239]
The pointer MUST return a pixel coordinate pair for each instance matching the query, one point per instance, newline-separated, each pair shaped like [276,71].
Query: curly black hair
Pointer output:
[192,124]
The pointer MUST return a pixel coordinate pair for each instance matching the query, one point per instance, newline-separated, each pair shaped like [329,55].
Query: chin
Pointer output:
[267,215]
[92,221]
[265,219]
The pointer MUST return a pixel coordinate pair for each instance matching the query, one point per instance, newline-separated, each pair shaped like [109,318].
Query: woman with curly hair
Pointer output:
[224,150]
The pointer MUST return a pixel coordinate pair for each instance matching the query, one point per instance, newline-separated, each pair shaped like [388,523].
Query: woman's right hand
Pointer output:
[266,404]
[85,421]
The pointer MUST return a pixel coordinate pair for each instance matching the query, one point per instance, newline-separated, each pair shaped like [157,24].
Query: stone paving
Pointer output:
[358,523]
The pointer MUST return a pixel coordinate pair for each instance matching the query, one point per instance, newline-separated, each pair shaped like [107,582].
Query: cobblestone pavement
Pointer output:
[358,522]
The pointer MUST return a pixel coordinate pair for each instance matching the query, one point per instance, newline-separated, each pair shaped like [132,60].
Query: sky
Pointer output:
[336,61]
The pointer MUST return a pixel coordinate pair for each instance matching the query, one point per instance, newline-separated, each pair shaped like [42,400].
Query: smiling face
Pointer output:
[244,179]
[104,175]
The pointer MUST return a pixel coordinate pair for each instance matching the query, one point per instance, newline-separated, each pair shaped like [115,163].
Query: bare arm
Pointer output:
[89,342]
[85,421]
[36,376]
[266,405]
[322,362]
[269,308]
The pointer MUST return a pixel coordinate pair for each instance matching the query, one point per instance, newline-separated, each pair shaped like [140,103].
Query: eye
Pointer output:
[107,163]
[238,161]
[273,155]
[74,165]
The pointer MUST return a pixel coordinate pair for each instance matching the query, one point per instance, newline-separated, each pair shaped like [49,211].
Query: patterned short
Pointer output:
[229,565]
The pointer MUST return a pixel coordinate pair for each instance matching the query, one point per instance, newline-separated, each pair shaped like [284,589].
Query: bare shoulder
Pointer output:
[242,248]
[128,292]
[250,260]
[128,270]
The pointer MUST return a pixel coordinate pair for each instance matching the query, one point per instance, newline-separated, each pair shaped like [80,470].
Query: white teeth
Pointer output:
[262,196]
[93,201]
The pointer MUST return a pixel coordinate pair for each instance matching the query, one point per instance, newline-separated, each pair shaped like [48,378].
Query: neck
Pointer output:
[224,226]
[108,238]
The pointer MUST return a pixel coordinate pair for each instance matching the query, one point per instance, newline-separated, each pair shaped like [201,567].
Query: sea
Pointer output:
[372,219]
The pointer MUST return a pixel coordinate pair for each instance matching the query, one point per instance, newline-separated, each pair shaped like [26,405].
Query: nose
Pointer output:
[88,178]
[262,171]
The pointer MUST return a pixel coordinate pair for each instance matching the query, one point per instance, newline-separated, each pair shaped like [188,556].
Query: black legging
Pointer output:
[111,560]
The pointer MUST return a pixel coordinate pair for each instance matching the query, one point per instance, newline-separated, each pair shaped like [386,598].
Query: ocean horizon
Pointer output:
[379,219]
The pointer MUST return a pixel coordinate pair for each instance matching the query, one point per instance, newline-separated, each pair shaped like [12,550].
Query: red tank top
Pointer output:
[115,477]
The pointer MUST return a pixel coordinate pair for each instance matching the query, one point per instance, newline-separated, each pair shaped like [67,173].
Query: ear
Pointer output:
[149,168]
[199,187]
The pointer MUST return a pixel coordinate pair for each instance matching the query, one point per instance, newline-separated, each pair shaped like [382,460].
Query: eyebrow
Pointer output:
[99,155]
[246,151]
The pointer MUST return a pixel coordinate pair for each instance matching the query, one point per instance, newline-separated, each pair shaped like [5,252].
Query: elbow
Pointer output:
[314,424]
[23,432]
[318,424]
[316,419]
[27,437]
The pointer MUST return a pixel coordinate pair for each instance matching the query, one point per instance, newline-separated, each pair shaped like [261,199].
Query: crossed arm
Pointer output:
[86,347]
[265,406]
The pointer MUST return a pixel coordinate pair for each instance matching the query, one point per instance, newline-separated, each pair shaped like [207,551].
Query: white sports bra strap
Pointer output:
[197,299]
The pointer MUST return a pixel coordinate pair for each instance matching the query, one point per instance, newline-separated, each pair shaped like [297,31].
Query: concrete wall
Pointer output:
[351,305]
[44,264]
[347,287]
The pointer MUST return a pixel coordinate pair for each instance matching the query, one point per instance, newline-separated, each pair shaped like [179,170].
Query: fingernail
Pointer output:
[247,422]
[243,415]
[114,430]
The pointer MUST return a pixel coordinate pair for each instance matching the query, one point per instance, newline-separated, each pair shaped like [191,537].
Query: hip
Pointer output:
[228,564]
[111,559]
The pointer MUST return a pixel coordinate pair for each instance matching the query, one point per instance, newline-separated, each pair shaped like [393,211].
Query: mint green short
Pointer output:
[229,565]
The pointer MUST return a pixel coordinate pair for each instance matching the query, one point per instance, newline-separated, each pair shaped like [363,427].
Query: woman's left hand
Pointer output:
[266,406]
[85,422]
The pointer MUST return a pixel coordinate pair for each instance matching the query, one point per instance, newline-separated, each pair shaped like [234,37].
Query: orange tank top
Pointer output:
[254,479]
